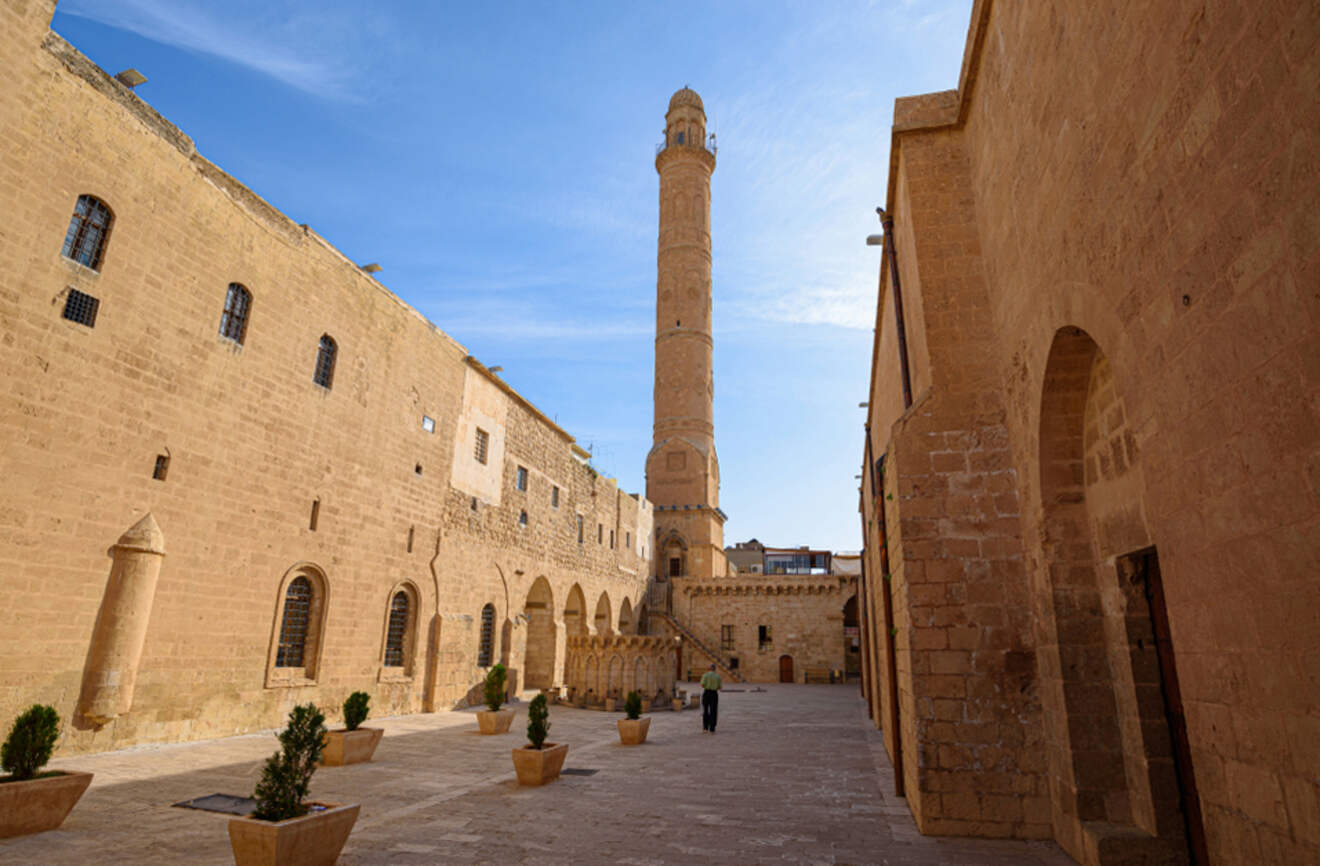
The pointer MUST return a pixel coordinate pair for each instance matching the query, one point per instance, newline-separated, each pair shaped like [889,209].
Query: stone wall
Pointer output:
[1104,238]
[803,613]
[269,477]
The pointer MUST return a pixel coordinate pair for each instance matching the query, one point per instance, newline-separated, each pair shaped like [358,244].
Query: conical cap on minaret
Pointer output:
[145,535]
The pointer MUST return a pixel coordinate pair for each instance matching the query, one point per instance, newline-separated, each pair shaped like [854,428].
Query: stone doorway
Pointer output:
[1114,784]
[786,669]
[539,658]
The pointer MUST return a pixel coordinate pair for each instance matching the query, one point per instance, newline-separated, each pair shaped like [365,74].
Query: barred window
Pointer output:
[325,362]
[487,646]
[397,630]
[293,625]
[522,478]
[81,308]
[482,447]
[554,497]
[234,319]
[84,242]
[726,637]
[579,522]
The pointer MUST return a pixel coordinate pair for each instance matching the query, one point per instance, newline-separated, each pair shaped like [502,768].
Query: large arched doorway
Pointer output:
[1113,718]
[786,669]
[603,620]
[852,640]
[575,612]
[625,617]
[539,659]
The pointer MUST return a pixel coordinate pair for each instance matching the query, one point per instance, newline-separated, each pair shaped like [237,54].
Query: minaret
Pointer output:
[682,473]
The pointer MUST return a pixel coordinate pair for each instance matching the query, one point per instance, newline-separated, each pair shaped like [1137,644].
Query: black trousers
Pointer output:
[710,707]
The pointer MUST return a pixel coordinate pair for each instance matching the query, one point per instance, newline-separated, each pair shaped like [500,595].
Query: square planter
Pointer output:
[495,723]
[677,704]
[38,805]
[538,766]
[315,839]
[610,704]
[350,747]
[632,732]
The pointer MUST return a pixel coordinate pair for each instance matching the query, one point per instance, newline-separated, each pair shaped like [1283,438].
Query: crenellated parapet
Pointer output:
[768,585]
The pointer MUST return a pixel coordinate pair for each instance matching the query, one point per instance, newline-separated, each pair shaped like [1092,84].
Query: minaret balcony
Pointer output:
[708,146]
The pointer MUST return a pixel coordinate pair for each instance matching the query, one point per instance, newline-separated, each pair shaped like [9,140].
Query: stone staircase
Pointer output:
[721,663]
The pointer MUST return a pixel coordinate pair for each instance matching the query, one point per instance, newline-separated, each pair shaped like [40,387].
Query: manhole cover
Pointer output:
[578,771]
[227,803]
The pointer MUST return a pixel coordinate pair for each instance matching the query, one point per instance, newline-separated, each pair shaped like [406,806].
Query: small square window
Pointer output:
[81,308]
[428,423]
[554,497]
[522,478]
[483,446]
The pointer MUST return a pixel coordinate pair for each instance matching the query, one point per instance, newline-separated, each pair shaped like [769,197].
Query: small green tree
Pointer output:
[495,687]
[538,722]
[30,742]
[356,708]
[288,773]
[632,705]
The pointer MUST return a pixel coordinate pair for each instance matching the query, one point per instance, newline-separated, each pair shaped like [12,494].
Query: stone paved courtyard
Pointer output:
[796,774]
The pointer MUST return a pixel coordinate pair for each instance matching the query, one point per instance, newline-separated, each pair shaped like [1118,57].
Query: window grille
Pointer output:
[483,446]
[763,636]
[293,625]
[554,497]
[234,319]
[81,308]
[162,467]
[675,566]
[84,242]
[486,649]
[726,637]
[325,362]
[398,629]
[522,478]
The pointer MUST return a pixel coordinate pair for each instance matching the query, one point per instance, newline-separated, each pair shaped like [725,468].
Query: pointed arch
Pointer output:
[603,618]
[540,652]
[575,612]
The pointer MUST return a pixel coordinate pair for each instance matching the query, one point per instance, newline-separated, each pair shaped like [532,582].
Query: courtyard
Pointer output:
[796,774]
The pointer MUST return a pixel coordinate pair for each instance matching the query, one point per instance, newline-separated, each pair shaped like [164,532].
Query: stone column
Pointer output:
[121,624]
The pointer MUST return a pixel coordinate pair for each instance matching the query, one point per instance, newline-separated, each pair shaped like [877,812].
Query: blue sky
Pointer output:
[497,160]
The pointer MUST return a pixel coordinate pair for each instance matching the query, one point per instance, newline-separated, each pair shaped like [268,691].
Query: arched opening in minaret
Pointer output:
[673,556]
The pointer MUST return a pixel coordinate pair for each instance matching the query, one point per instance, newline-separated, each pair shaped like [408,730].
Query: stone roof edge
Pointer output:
[84,68]
[946,109]
[520,399]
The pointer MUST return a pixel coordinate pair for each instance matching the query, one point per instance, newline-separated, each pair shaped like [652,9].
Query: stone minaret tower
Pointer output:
[682,473]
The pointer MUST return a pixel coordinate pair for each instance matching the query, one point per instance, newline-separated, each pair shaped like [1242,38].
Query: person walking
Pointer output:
[710,699]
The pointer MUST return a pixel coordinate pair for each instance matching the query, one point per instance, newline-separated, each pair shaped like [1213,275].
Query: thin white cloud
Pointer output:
[302,51]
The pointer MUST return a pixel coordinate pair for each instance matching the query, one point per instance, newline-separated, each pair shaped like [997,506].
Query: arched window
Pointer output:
[325,362]
[397,630]
[234,319]
[299,619]
[486,649]
[293,624]
[85,240]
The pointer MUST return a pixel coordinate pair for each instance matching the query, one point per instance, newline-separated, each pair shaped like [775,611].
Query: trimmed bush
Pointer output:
[288,773]
[538,722]
[495,687]
[30,742]
[356,708]
[632,705]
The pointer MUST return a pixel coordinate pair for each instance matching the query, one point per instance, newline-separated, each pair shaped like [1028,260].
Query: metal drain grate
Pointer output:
[578,771]
[227,803]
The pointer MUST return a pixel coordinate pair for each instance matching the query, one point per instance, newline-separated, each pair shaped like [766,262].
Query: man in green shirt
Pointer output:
[710,698]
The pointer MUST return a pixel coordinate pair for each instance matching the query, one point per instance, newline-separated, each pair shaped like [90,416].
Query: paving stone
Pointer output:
[795,775]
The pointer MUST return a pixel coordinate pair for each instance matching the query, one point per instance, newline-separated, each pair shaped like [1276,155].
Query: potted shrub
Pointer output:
[32,801]
[539,762]
[284,829]
[353,744]
[494,720]
[632,730]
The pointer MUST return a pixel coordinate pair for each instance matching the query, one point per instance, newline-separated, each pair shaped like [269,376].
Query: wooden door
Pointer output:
[786,669]
[1173,707]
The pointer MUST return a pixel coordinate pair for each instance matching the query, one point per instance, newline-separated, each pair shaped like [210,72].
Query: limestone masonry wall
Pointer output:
[271,478]
[1103,506]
